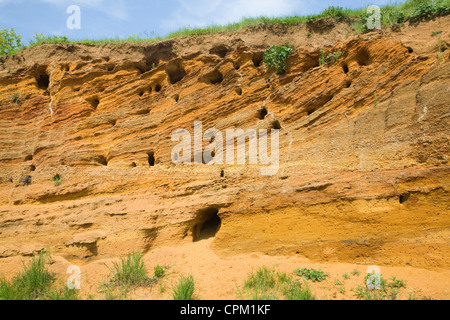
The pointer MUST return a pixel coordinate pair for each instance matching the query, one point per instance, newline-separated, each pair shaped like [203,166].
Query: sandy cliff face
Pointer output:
[364,146]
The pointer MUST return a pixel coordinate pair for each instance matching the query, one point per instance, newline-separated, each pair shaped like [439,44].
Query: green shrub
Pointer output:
[429,10]
[330,59]
[263,279]
[386,291]
[131,272]
[275,58]
[184,289]
[10,42]
[356,272]
[16,98]
[266,284]
[159,271]
[311,274]
[295,290]
[34,282]
[396,17]
[57,180]
[40,38]
[334,12]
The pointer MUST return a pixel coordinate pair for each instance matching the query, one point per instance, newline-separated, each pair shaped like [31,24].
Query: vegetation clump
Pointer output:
[275,58]
[184,289]
[35,282]
[311,274]
[267,284]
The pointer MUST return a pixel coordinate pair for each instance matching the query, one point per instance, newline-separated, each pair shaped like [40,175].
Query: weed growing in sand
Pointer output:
[275,58]
[35,282]
[311,274]
[184,289]
[131,272]
[346,276]
[296,290]
[397,283]
[266,284]
[356,272]
[159,271]
[388,290]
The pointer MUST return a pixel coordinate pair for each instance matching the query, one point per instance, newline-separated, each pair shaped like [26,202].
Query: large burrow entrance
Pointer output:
[207,224]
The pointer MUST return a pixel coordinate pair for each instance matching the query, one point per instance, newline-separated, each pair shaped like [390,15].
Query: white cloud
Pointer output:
[200,13]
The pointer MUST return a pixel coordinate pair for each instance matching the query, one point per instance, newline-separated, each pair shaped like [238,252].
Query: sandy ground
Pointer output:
[219,278]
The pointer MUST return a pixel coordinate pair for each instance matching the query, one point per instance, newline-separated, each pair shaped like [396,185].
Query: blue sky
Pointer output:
[122,18]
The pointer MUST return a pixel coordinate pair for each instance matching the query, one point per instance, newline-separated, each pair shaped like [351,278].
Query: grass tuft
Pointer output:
[131,272]
[184,289]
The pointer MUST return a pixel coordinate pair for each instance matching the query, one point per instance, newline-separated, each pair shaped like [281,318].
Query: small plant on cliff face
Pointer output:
[57,180]
[275,58]
[16,98]
[439,50]
[329,59]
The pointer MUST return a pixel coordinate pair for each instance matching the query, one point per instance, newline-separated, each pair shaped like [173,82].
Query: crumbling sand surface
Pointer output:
[364,147]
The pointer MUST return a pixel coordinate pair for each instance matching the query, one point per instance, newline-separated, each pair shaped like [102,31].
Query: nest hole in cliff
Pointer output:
[43,81]
[239,91]
[32,167]
[258,58]
[222,174]
[29,158]
[404,197]
[220,50]
[94,102]
[207,224]
[213,77]
[151,159]
[263,113]
[276,125]
[158,88]
[175,71]
[176,97]
[363,57]
[345,68]
[102,161]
